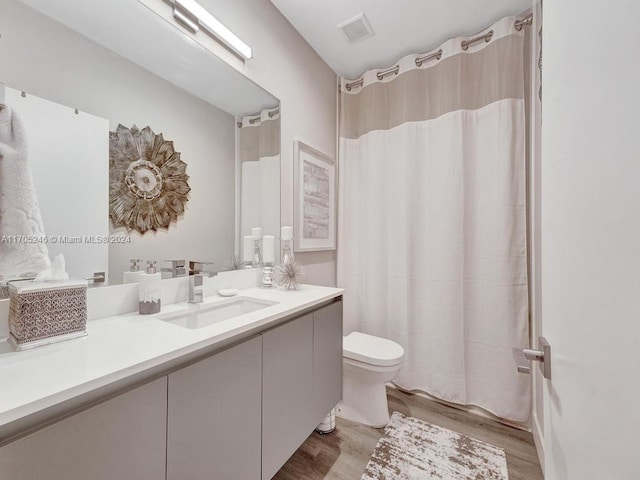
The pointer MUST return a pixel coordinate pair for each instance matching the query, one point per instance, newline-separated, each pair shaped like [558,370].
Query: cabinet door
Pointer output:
[214,416]
[327,359]
[123,438]
[287,392]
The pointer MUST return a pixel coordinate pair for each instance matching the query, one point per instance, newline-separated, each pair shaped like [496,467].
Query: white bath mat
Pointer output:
[411,449]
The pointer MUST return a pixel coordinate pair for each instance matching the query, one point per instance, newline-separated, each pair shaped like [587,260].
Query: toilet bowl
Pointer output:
[369,362]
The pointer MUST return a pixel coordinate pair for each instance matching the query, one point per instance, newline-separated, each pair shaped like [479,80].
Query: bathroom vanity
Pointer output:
[149,398]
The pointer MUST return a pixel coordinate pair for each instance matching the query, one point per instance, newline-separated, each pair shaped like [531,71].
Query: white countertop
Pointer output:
[120,347]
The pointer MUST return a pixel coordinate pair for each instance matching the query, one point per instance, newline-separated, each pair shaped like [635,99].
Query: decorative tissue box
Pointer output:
[5,281]
[45,312]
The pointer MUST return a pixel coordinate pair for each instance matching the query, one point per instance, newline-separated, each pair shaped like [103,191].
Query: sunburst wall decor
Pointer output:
[148,183]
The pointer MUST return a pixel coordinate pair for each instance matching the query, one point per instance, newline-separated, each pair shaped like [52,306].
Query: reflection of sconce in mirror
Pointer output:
[186,18]
[148,186]
[194,17]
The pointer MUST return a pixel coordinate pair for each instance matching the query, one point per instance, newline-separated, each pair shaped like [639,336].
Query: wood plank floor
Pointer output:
[343,454]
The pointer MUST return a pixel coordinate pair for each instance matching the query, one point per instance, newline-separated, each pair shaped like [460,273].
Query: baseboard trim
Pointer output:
[538,439]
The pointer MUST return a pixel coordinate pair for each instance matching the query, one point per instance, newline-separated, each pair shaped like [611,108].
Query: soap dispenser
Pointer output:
[149,290]
[133,275]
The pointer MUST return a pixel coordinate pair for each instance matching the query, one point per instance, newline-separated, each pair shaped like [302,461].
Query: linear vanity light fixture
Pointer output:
[185,18]
[193,16]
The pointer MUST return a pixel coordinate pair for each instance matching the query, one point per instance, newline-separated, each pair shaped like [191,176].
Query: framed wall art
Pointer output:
[314,200]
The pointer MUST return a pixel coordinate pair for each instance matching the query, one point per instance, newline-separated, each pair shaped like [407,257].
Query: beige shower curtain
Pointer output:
[432,217]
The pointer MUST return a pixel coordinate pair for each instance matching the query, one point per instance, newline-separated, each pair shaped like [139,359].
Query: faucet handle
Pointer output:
[134,264]
[198,267]
[174,268]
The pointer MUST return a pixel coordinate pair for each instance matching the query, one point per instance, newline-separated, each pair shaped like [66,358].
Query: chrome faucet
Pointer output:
[196,281]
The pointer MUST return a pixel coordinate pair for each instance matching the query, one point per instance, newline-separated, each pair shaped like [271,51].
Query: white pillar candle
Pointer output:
[286,233]
[248,248]
[256,232]
[268,249]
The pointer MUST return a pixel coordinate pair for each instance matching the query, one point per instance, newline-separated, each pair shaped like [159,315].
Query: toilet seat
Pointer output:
[371,350]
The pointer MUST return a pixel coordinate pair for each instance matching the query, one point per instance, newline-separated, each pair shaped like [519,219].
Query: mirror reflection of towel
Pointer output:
[22,250]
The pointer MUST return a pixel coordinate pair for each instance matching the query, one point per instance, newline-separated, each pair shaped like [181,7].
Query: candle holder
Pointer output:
[257,252]
[290,272]
[267,276]
[248,251]
[287,251]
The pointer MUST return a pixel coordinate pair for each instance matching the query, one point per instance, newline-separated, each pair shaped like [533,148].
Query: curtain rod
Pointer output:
[258,115]
[465,44]
[420,60]
[395,70]
[524,22]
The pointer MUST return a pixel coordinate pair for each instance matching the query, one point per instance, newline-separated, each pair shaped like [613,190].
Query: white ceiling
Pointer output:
[401,27]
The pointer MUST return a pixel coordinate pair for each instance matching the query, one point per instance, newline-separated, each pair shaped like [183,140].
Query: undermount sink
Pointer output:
[202,315]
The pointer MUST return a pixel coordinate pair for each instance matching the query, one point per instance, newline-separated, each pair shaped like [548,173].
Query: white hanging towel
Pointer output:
[23,248]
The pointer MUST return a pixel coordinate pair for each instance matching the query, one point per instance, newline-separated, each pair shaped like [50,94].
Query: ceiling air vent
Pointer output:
[356,28]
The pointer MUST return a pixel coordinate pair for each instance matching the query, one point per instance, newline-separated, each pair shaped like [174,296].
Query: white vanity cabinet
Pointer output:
[327,359]
[122,438]
[214,413]
[287,392]
[302,382]
[232,414]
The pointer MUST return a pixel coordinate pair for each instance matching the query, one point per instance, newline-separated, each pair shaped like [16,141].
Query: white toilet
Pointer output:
[369,362]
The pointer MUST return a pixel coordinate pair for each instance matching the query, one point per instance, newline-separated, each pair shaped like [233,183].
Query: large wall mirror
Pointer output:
[123,138]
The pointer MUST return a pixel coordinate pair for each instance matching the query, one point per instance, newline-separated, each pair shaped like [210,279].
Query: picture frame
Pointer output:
[314,216]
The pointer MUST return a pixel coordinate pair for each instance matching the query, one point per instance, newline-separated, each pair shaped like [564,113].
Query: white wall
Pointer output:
[290,69]
[53,62]
[591,238]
